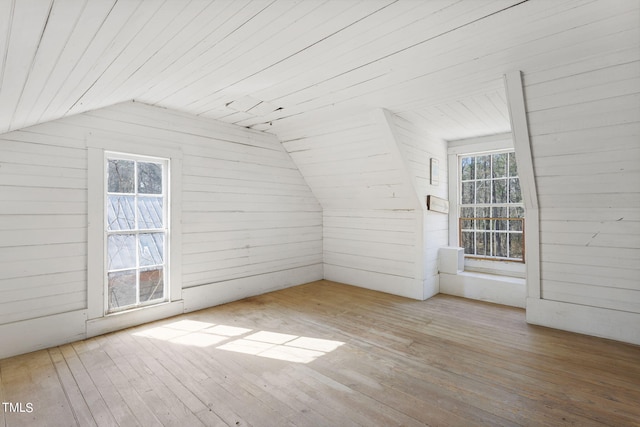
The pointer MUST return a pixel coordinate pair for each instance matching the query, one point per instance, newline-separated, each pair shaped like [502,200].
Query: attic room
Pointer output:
[341,212]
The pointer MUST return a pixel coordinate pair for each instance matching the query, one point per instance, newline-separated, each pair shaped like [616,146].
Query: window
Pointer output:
[491,212]
[136,231]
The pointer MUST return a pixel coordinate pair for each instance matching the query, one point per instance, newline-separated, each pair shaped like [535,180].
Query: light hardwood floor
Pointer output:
[330,354]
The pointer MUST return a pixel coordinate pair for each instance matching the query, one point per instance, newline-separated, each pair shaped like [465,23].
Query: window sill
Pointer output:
[495,268]
[494,277]
[511,291]
[125,319]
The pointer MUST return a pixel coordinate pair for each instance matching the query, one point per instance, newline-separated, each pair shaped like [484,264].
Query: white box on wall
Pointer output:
[451,260]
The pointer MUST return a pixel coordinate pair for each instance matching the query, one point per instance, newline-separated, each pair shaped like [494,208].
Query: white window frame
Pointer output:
[475,146]
[98,320]
[165,229]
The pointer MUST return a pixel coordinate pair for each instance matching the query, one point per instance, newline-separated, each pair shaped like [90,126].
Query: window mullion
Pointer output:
[137,226]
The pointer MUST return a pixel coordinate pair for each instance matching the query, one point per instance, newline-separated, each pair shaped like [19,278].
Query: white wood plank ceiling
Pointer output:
[273,64]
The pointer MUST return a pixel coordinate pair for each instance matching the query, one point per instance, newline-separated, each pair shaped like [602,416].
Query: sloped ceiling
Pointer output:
[273,64]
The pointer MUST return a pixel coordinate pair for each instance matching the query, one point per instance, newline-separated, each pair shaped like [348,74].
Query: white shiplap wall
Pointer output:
[419,146]
[370,213]
[587,162]
[250,223]
[370,172]
[43,223]
[584,121]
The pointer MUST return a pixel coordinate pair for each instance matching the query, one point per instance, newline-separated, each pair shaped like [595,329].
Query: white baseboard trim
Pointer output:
[431,287]
[205,296]
[44,332]
[599,322]
[49,331]
[503,290]
[127,319]
[395,285]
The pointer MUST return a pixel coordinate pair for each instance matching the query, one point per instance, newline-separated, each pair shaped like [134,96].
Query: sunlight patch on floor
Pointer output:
[273,345]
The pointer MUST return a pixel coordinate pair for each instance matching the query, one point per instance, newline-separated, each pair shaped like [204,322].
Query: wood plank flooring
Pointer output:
[330,354]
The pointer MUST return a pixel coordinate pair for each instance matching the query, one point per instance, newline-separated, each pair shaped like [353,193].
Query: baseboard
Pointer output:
[37,334]
[127,319]
[395,285]
[44,332]
[503,290]
[212,294]
[430,287]
[599,322]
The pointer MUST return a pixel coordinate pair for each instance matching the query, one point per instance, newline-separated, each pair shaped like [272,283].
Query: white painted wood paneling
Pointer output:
[43,226]
[42,332]
[371,215]
[584,116]
[473,116]
[246,209]
[230,174]
[370,173]
[503,290]
[439,61]
[418,147]
[349,165]
[437,64]
[81,34]
[467,61]
[24,24]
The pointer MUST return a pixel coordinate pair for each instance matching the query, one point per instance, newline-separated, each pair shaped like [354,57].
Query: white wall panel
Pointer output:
[371,216]
[371,174]
[418,147]
[246,210]
[584,118]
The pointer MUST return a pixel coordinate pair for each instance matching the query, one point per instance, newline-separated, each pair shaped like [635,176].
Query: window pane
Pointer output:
[499,212]
[151,284]
[149,178]
[513,167]
[120,212]
[499,224]
[467,192]
[515,225]
[516,212]
[122,289]
[483,192]
[121,251]
[500,244]
[466,212]
[482,243]
[483,224]
[515,245]
[500,165]
[120,176]
[483,212]
[151,249]
[468,168]
[468,243]
[514,191]
[499,191]
[150,212]
[483,167]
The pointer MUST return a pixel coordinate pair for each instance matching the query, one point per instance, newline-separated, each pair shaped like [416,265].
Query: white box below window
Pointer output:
[451,260]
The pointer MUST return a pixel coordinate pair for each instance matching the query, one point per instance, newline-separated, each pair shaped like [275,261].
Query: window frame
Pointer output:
[136,231]
[97,142]
[491,205]
[470,146]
